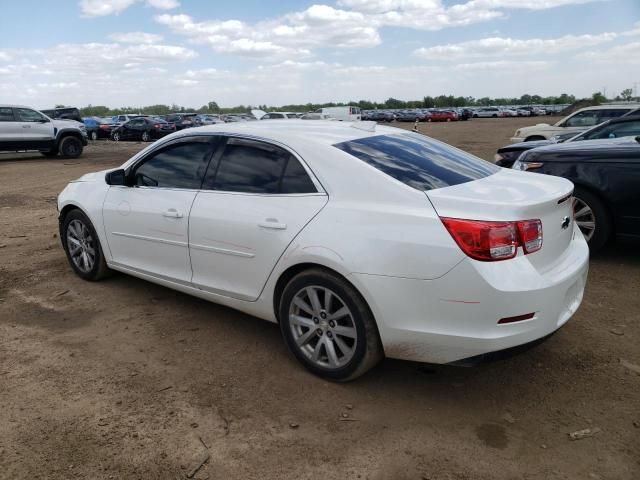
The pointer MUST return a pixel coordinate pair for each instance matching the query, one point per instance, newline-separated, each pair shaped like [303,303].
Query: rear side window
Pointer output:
[418,161]
[615,130]
[181,165]
[6,115]
[251,166]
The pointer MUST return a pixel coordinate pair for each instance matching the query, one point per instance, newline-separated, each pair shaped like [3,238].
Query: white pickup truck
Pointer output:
[23,128]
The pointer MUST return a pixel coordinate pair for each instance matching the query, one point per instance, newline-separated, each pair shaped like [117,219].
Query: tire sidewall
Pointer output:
[95,272]
[358,310]
[145,136]
[64,145]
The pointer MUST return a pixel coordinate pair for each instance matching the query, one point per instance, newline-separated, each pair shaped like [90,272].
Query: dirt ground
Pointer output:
[123,379]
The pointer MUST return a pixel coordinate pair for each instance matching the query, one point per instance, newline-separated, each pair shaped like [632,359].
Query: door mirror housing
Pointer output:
[116,177]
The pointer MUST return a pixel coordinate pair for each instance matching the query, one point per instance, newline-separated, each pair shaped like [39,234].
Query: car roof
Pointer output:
[610,107]
[290,132]
[7,105]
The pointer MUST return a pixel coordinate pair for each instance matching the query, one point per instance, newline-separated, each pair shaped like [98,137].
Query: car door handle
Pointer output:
[172,213]
[272,224]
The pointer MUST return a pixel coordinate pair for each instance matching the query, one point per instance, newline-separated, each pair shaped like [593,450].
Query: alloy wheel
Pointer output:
[323,327]
[584,218]
[81,246]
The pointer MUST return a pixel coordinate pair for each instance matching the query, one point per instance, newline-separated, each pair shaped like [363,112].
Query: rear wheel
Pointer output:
[70,147]
[328,326]
[592,218]
[82,247]
[115,136]
[93,135]
[533,138]
[145,136]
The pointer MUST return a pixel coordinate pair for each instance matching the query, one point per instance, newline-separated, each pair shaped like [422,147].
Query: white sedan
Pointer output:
[361,241]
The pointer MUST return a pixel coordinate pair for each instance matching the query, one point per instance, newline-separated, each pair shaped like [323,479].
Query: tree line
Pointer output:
[441,101]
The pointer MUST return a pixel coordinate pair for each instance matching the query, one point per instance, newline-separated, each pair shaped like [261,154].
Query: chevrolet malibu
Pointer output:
[360,241]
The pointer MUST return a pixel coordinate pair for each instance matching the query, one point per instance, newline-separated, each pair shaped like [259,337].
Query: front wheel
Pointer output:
[592,218]
[82,247]
[70,147]
[328,326]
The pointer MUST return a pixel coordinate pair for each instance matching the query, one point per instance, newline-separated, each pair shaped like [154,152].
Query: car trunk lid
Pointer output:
[514,196]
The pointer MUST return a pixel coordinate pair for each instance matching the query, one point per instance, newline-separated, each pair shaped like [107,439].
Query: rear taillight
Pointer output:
[492,241]
[157,125]
[530,235]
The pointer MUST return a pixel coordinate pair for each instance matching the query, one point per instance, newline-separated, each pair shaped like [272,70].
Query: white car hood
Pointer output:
[93,176]
[67,123]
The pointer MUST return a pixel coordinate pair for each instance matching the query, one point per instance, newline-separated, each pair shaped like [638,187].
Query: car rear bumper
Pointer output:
[456,316]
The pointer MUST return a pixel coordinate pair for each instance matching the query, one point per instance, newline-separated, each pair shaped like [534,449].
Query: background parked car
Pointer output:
[279,116]
[99,127]
[606,175]
[611,129]
[142,128]
[381,116]
[577,121]
[411,116]
[64,113]
[206,119]
[182,120]
[487,112]
[442,116]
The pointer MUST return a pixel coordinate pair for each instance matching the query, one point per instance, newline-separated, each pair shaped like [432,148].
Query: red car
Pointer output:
[442,116]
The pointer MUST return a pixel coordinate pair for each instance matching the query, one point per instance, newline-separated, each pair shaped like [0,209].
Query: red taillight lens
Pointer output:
[486,241]
[157,125]
[491,241]
[530,233]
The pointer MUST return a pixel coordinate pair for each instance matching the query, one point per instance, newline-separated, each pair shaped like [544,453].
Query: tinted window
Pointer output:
[613,113]
[6,115]
[616,130]
[178,166]
[418,161]
[250,166]
[28,115]
[295,179]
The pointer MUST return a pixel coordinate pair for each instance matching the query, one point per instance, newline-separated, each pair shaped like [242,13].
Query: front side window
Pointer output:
[6,114]
[418,161]
[180,165]
[582,119]
[28,115]
[251,166]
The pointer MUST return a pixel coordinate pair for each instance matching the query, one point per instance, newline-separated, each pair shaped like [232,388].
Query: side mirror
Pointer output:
[116,177]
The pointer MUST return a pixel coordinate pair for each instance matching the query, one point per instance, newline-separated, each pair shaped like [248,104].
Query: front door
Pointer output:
[37,129]
[251,207]
[147,222]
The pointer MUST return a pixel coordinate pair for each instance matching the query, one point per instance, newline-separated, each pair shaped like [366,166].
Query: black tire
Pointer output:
[99,269]
[367,351]
[115,136]
[93,135]
[70,147]
[475,115]
[603,228]
[50,153]
[494,115]
[145,137]
[533,138]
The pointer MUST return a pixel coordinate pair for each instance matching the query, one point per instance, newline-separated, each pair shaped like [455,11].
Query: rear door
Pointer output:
[256,198]
[147,222]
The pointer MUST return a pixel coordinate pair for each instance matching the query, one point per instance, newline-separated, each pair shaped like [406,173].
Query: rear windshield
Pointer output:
[418,161]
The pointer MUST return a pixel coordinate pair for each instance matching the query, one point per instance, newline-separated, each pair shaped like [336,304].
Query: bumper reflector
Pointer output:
[517,318]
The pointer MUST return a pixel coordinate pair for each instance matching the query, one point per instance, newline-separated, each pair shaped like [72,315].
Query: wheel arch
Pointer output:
[290,272]
[67,133]
[605,202]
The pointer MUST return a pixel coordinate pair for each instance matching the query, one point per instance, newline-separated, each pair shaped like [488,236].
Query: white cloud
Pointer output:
[5,57]
[498,46]
[164,4]
[625,53]
[136,37]
[101,8]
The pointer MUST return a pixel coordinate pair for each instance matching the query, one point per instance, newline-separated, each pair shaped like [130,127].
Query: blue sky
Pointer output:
[188,52]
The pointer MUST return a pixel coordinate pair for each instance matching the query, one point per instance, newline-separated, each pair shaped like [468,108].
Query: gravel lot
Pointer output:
[124,379]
